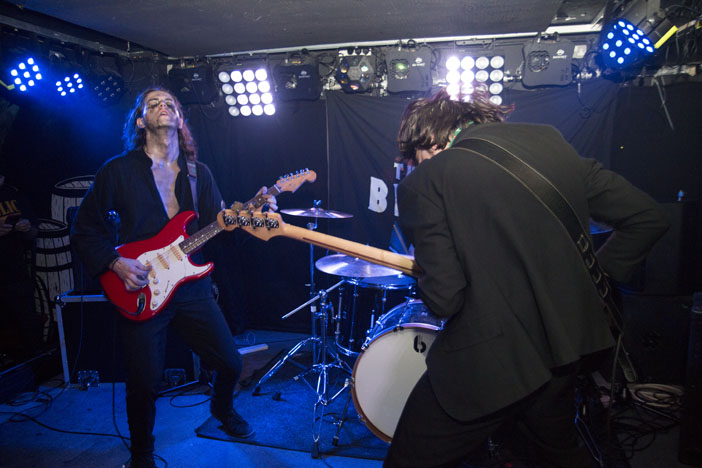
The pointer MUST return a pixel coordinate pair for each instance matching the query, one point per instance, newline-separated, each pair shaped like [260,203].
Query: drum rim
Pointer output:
[360,281]
[369,424]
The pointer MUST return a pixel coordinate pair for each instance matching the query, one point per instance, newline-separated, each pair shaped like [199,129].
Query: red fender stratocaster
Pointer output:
[168,254]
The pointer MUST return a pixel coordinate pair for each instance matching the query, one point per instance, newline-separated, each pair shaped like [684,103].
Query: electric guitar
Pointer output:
[168,254]
[268,225]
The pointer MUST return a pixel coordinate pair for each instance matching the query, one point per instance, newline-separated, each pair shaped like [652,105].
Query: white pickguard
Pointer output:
[169,265]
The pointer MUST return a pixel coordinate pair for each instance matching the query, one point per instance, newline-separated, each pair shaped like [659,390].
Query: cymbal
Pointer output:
[316,213]
[344,265]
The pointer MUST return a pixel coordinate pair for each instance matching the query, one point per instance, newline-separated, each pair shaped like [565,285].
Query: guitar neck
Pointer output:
[197,240]
[258,201]
[365,252]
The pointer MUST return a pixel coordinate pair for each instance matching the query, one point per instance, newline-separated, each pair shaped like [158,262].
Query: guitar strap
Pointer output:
[551,198]
[192,178]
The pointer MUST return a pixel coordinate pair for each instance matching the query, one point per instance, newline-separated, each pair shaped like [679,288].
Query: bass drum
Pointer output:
[390,364]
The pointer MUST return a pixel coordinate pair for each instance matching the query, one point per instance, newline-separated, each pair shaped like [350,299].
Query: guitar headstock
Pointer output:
[262,225]
[291,182]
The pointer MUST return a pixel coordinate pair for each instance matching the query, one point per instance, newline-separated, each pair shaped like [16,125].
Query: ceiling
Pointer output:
[187,28]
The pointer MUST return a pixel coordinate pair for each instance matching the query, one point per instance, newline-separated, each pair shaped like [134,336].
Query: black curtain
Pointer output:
[349,140]
[362,148]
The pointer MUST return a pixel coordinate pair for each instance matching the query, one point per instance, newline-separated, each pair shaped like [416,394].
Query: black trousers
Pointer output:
[539,428]
[201,323]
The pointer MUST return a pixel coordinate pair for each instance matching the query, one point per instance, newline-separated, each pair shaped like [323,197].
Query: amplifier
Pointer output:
[690,451]
[93,342]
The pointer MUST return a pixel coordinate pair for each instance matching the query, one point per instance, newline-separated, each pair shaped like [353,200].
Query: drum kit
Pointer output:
[387,361]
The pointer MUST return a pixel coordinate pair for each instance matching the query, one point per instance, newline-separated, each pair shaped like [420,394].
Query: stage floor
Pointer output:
[78,428]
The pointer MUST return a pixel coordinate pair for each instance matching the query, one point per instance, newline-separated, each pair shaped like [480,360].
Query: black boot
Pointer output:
[232,423]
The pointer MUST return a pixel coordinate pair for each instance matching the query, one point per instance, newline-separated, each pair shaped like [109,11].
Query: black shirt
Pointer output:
[125,184]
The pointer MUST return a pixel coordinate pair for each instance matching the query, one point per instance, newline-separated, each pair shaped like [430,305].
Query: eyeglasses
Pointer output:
[152,104]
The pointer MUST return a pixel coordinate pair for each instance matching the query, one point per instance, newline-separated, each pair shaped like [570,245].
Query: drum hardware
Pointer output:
[367,275]
[324,356]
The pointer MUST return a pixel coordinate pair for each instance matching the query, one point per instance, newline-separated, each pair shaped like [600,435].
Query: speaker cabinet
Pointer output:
[670,266]
[656,336]
[690,451]
[93,342]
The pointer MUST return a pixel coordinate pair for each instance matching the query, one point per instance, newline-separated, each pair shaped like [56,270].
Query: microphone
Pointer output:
[115,222]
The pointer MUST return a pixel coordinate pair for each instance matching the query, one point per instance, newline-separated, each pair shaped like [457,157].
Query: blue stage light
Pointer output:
[69,85]
[25,74]
[623,44]
[635,34]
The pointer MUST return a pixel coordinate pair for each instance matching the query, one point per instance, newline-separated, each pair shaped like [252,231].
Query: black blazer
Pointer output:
[497,264]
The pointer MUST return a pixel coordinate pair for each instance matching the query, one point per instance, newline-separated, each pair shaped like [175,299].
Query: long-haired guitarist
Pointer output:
[132,200]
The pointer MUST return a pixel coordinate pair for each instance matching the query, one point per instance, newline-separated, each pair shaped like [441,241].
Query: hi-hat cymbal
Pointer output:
[316,213]
[343,265]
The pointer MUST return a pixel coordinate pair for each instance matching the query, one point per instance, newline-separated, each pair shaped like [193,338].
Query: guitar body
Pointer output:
[168,254]
[171,267]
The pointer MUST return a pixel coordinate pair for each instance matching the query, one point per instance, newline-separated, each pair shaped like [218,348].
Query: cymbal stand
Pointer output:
[313,308]
[312,339]
[321,367]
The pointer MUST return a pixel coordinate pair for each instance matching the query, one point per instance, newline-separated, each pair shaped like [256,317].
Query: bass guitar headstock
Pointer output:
[264,225]
[227,219]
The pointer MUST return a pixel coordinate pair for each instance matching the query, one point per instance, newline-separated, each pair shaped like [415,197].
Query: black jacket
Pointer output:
[518,298]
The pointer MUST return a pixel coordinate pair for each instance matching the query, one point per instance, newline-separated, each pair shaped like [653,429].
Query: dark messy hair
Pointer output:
[431,121]
[134,137]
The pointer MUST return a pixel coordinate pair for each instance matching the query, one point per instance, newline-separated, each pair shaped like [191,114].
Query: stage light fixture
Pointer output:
[108,88]
[548,62]
[465,74]
[635,34]
[25,74]
[409,69]
[193,84]
[247,89]
[297,78]
[356,72]
[70,85]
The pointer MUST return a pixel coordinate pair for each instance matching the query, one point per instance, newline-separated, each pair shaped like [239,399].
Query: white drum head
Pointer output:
[386,372]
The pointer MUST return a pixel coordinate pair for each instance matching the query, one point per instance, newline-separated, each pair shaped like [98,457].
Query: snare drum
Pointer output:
[390,363]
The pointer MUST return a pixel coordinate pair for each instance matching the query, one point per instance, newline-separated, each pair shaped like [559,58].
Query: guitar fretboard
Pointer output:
[196,241]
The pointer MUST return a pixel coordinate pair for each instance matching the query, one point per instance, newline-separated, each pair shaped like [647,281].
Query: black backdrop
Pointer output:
[349,141]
